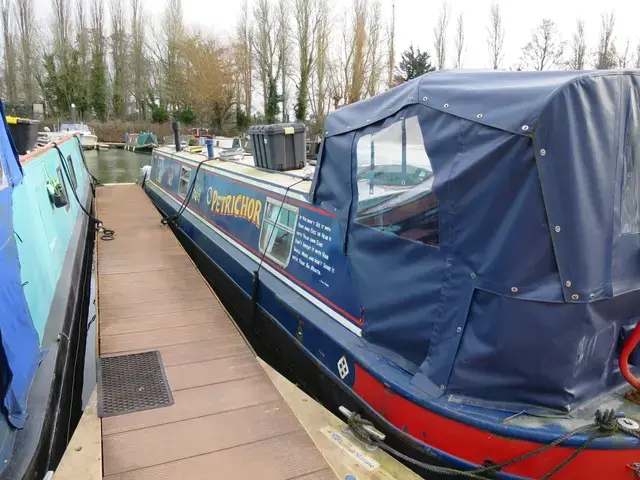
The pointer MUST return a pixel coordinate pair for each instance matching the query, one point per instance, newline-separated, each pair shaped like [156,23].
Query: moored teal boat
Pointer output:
[141,142]
[46,244]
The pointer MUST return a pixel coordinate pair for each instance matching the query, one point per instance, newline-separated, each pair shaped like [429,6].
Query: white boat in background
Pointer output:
[87,139]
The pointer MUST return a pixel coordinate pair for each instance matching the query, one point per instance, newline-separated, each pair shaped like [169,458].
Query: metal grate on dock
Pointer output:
[132,383]
[228,421]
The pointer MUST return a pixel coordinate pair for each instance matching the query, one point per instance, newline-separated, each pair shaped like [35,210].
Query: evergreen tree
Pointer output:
[63,84]
[98,84]
[413,64]
[300,108]
[242,119]
[50,83]
[272,108]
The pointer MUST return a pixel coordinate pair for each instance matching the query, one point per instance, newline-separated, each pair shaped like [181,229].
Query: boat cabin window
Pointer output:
[277,231]
[160,170]
[395,181]
[72,173]
[185,178]
[64,194]
[630,211]
[74,127]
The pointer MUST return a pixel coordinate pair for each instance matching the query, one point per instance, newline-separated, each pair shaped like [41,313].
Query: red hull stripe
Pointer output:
[474,445]
[355,320]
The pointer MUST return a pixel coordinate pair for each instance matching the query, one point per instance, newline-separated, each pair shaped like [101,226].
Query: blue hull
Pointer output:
[280,332]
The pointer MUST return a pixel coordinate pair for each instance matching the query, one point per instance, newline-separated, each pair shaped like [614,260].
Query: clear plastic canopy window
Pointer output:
[395,180]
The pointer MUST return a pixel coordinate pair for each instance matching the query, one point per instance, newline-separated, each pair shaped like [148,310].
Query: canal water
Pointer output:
[116,165]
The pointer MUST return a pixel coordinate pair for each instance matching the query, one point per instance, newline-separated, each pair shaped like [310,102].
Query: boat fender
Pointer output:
[56,194]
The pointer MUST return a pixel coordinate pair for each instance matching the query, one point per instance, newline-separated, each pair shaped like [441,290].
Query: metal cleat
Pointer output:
[374,432]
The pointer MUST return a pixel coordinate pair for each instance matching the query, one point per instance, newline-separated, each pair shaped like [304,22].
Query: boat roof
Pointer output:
[246,169]
[508,101]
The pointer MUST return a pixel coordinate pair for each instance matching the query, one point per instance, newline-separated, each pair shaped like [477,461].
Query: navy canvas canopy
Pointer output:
[19,352]
[535,204]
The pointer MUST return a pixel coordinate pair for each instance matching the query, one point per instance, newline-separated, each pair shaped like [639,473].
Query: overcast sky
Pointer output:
[415,20]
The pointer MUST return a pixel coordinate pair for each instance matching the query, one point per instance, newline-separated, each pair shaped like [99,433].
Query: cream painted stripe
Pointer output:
[325,308]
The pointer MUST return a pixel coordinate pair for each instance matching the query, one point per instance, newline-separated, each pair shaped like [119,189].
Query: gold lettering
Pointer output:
[214,199]
[250,208]
[256,214]
[237,205]
[243,208]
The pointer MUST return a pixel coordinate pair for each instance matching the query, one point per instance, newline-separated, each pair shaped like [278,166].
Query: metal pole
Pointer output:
[176,134]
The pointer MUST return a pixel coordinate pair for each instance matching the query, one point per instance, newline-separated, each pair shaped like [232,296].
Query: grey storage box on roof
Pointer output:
[280,146]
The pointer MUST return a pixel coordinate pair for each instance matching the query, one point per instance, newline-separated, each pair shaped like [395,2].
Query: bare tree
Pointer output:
[340,71]
[374,62]
[357,67]
[173,34]
[625,58]
[265,46]
[62,25]
[118,55]
[97,23]
[284,67]
[606,56]
[320,106]
[440,35]
[25,17]
[359,63]
[244,34]
[391,37]
[10,67]
[545,49]
[208,77]
[495,36]
[138,62]
[82,37]
[637,63]
[308,18]
[578,48]
[459,41]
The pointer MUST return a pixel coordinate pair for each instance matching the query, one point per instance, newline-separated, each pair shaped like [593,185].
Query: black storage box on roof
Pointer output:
[280,146]
[24,133]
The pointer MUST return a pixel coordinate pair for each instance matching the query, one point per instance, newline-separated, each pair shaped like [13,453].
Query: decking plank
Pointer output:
[154,339]
[220,370]
[142,323]
[228,419]
[284,457]
[179,440]
[197,402]
[164,306]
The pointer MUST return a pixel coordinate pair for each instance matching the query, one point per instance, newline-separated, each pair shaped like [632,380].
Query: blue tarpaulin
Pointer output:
[20,347]
[535,204]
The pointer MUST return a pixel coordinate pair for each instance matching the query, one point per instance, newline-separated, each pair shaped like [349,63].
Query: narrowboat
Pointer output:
[141,142]
[46,241]
[460,270]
